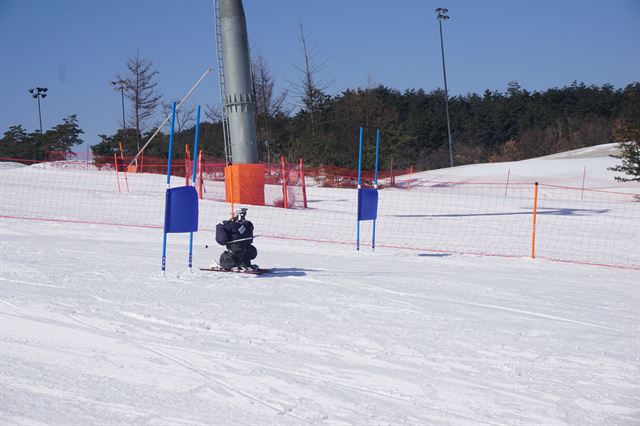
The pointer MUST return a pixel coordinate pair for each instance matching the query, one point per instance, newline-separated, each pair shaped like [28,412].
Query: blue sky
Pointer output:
[76,47]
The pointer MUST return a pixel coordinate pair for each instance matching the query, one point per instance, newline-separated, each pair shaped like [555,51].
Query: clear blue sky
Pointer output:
[76,47]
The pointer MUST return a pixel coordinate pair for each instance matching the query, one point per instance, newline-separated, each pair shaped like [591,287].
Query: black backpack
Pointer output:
[223,232]
[232,230]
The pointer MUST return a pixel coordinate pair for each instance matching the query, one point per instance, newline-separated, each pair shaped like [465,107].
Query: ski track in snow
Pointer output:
[105,332]
[350,295]
[502,308]
[92,333]
[177,360]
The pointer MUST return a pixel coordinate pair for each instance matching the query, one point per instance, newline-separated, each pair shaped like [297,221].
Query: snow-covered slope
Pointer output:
[584,166]
[91,333]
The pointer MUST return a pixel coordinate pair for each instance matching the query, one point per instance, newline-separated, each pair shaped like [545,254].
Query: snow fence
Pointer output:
[580,225]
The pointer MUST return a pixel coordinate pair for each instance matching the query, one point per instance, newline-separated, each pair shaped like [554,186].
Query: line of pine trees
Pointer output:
[488,127]
[494,126]
[54,144]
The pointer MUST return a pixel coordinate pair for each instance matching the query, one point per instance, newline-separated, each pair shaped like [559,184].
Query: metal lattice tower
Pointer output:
[225,119]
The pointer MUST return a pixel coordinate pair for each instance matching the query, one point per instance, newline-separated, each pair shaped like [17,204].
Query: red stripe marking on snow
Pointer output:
[468,253]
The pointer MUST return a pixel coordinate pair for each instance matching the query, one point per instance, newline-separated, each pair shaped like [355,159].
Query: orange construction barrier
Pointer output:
[244,184]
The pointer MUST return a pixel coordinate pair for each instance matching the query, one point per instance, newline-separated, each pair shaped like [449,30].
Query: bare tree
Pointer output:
[141,91]
[311,89]
[267,105]
[263,83]
[184,115]
[213,113]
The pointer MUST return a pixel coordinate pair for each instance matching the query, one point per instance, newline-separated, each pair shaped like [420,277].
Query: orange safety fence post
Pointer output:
[199,184]
[284,183]
[115,163]
[304,184]
[535,212]
[187,158]
[123,169]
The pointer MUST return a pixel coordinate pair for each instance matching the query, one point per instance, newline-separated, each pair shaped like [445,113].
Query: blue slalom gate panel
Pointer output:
[181,210]
[367,204]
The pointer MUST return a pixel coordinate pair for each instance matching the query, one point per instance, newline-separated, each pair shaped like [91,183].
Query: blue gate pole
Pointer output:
[164,239]
[359,186]
[375,186]
[193,181]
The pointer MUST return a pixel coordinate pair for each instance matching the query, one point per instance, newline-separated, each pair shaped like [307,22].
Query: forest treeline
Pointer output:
[493,126]
[53,144]
[489,127]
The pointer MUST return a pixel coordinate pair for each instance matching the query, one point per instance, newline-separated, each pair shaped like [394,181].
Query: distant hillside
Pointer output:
[566,168]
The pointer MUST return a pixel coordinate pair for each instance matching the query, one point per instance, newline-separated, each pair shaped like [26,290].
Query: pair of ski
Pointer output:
[238,271]
[218,268]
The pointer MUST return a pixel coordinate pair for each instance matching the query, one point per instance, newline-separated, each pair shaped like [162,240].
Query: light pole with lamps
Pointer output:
[37,93]
[121,85]
[442,16]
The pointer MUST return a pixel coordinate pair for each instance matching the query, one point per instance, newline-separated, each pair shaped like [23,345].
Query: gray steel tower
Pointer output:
[239,105]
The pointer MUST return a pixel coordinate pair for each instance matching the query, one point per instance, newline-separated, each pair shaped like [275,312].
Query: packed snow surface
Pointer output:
[92,333]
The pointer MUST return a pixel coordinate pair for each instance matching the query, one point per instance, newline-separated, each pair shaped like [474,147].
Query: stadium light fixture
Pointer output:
[37,93]
[121,85]
[442,16]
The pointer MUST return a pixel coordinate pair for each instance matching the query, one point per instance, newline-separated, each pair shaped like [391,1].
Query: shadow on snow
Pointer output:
[541,211]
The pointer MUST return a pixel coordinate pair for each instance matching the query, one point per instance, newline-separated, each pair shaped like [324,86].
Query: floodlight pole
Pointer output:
[121,85]
[442,16]
[37,93]
[39,114]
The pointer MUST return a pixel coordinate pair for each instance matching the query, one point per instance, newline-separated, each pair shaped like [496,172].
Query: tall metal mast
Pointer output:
[239,102]
[442,16]
[225,120]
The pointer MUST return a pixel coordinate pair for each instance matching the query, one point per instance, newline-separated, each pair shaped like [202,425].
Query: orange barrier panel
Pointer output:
[244,184]
[229,193]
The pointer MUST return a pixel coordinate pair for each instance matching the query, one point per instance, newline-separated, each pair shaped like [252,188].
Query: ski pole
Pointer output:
[237,241]
[242,239]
